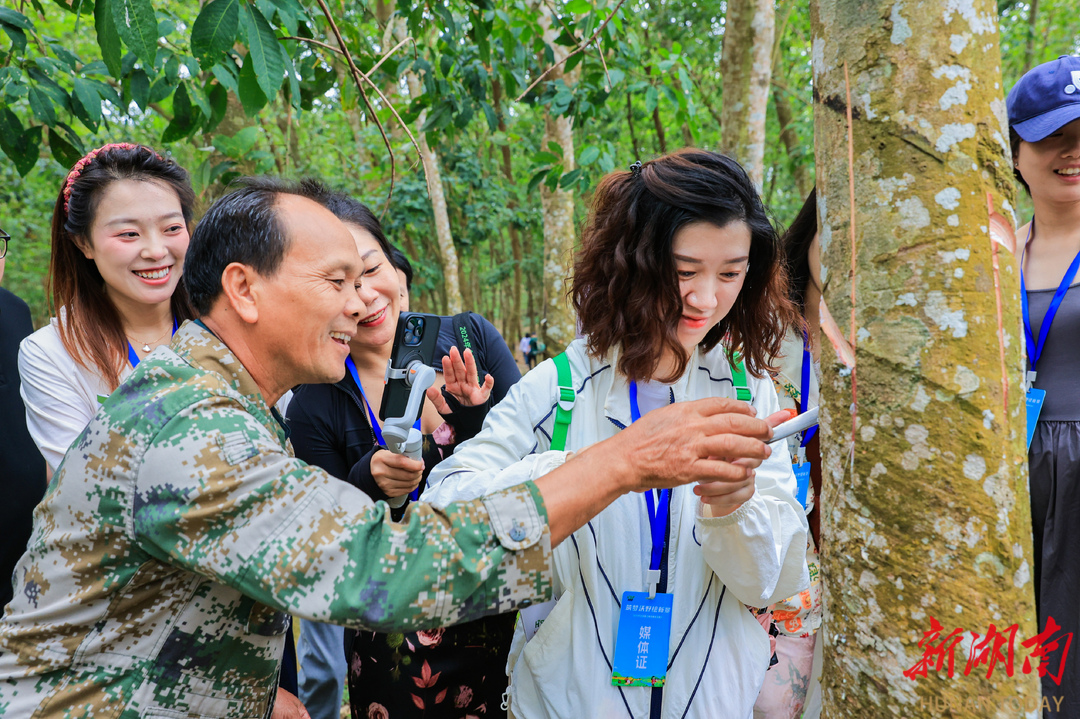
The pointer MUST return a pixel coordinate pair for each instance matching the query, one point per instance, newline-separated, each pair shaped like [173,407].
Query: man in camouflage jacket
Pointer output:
[179,530]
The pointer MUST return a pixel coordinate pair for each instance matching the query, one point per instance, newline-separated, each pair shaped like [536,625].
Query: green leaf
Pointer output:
[62,150]
[569,178]
[547,158]
[290,72]
[18,37]
[537,179]
[226,75]
[215,30]
[651,99]
[15,19]
[178,129]
[137,27]
[87,104]
[182,108]
[12,141]
[66,56]
[41,106]
[159,90]
[588,155]
[199,100]
[219,104]
[263,52]
[248,90]
[489,113]
[579,7]
[556,149]
[140,89]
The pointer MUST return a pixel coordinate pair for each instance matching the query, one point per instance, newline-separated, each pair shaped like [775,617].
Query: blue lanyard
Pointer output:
[657,527]
[134,358]
[1035,348]
[804,390]
[375,428]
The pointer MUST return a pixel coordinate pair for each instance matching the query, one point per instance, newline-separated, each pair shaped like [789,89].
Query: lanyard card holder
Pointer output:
[641,645]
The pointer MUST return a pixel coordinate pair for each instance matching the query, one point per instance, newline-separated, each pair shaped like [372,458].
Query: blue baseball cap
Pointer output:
[1045,99]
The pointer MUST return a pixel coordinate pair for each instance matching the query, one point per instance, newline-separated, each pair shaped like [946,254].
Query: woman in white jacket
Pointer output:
[678,255]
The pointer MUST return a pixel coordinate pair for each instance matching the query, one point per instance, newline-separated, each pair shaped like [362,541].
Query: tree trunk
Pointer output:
[746,68]
[514,320]
[790,138]
[430,159]
[925,507]
[557,325]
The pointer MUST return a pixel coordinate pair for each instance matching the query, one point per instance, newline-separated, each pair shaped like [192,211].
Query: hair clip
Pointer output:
[635,168]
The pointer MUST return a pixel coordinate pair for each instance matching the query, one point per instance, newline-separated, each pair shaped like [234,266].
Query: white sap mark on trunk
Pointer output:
[901,31]
[997,488]
[957,94]
[949,198]
[921,399]
[988,419]
[913,214]
[908,298]
[818,53]
[867,433]
[957,43]
[974,467]
[916,436]
[953,134]
[865,98]
[937,309]
[958,272]
[953,220]
[1022,576]
[1018,551]
[867,580]
[878,470]
[966,380]
[979,24]
[862,335]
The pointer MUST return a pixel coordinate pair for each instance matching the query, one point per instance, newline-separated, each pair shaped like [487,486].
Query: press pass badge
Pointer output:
[1035,399]
[641,644]
[802,477]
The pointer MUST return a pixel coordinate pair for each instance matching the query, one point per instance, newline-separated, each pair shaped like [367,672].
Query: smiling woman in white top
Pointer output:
[119,234]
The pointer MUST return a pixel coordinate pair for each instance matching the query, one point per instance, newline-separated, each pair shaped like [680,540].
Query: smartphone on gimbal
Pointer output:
[414,341]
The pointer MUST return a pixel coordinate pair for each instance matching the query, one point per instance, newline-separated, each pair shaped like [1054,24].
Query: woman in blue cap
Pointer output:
[1044,128]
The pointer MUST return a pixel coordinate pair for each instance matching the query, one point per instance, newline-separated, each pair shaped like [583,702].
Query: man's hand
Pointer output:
[700,441]
[722,498]
[459,377]
[708,440]
[395,474]
[287,706]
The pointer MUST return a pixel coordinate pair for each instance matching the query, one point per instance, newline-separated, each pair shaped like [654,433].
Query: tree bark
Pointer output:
[443,234]
[925,507]
[630,122]
[514,322]
[746,68]
[557,325]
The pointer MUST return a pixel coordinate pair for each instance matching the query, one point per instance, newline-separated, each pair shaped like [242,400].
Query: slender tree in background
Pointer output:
[558,326]
[443,234]
[746,66]
[925,502]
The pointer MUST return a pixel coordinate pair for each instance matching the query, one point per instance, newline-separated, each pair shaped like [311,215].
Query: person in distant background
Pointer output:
[22,469]
[525,347]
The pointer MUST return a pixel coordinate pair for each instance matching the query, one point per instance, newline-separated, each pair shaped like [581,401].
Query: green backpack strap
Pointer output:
[738,378]
[566,402]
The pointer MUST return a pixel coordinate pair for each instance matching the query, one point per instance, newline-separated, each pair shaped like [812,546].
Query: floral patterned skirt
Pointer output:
[452,673]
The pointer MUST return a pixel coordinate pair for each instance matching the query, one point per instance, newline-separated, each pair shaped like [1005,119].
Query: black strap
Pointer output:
[463,340]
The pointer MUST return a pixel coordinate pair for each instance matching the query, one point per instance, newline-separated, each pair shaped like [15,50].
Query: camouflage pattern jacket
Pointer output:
[179,530]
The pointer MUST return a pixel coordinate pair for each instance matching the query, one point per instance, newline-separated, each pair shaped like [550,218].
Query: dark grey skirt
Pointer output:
[1054,460]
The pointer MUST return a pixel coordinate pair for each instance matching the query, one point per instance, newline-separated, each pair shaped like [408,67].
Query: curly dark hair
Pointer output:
[625,287]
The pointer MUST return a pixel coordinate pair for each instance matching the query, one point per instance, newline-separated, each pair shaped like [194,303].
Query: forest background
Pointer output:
[232,88]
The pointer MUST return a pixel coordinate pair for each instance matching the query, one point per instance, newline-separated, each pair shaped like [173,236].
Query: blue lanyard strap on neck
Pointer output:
[1035,348]
[804,390]
[376,428]
[658,515]
[133,358]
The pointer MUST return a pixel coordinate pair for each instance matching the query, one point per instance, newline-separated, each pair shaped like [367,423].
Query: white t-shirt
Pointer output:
[652,395]
[525,344]
[61,396]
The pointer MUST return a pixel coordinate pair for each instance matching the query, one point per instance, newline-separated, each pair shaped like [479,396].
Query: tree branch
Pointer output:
[575,51]
[357,77]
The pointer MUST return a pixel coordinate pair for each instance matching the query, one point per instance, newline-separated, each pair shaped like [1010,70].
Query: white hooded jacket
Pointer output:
[718,653]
